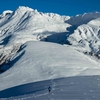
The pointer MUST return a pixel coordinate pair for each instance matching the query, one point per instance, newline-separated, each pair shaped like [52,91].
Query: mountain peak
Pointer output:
[24,8]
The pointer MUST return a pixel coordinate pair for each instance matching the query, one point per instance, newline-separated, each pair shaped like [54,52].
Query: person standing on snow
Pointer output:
[49,89]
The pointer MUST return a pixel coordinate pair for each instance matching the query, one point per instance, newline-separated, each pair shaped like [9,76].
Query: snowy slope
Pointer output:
[42,60]
[72,88]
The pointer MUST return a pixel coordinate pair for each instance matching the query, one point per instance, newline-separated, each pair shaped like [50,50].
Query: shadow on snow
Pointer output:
[79,87]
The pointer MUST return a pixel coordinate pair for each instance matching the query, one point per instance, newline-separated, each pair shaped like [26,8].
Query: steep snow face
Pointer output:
[87,36]
[85,32]
[42,61]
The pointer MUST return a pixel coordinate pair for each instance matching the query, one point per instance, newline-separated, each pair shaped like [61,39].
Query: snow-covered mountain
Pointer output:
[27,54]
[30,24]
[87,36]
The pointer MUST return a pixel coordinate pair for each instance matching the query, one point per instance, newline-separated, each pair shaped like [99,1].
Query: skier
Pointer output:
[49,89]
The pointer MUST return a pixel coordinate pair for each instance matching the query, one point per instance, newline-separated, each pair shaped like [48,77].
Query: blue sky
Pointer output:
[62,7]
